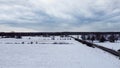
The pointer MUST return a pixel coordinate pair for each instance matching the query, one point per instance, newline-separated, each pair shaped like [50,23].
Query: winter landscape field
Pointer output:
[59,33]
[46,52]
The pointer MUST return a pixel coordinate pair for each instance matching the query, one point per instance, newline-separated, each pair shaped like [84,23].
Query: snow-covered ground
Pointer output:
[115,46]
[72,55]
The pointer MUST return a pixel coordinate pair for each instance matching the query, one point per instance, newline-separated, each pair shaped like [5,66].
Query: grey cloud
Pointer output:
[62,15]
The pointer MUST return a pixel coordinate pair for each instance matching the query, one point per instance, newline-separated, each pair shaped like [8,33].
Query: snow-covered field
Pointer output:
[69,54]
[115,46]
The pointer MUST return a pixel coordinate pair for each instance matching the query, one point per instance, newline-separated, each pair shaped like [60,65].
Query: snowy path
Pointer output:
[55,56]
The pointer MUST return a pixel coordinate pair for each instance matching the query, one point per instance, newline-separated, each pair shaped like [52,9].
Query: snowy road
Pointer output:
[74,55]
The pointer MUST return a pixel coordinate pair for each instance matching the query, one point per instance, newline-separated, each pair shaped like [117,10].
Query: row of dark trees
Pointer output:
[12,36]
[101,38]
[62,37]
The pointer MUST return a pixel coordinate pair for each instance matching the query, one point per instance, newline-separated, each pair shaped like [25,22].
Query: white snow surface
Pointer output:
[115,46]
[75,55]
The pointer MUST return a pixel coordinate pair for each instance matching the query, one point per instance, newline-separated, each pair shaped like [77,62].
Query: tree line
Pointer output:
[101,38]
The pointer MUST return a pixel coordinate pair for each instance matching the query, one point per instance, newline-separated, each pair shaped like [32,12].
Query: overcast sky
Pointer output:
[59,15]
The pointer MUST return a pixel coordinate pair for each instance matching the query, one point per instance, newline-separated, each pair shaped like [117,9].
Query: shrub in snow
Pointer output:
[88,37]
[83,37]
[36,42]
[102,39]
[29,38]
[31,42]
[18,37]
[22,42]
[16,43]
[55,43]
[112,38]
[92,38]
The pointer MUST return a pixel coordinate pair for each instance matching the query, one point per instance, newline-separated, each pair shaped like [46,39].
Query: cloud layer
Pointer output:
[60,15]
